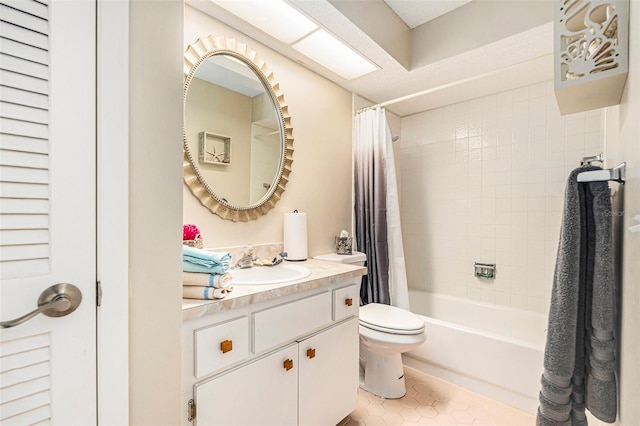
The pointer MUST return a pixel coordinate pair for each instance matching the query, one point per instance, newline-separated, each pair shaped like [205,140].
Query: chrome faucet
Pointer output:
[247,260]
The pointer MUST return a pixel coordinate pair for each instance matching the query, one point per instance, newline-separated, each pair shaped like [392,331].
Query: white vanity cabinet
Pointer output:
[263,392]
[286,361]
[327,375]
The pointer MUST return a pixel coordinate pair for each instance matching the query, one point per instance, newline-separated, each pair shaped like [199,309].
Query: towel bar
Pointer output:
[616,174]
[589,160]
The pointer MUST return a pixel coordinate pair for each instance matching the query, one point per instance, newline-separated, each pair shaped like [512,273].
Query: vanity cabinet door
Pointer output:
[329,374]
[263,392]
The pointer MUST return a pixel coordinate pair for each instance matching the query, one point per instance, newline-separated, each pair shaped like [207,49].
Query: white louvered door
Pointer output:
[47,208]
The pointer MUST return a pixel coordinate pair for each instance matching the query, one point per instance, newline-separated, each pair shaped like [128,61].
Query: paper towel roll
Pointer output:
[295,236]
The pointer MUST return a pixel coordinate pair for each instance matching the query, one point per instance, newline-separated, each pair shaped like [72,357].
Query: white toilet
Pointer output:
[385,333]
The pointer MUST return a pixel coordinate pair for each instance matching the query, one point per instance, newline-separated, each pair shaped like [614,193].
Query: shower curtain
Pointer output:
[377,211]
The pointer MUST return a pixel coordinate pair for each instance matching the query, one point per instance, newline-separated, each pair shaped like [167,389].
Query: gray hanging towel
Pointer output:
[579,359]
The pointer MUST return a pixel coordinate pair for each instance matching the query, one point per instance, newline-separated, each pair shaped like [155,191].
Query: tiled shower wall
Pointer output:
[483,180]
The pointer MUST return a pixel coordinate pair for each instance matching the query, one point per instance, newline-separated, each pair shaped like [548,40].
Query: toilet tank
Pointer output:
[357,258]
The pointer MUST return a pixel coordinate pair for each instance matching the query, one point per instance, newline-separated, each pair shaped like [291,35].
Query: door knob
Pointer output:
[56,301]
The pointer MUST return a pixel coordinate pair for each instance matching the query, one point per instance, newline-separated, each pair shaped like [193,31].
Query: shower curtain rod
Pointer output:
[445,86]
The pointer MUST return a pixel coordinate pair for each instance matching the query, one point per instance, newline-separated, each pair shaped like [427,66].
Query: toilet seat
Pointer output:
[390,319]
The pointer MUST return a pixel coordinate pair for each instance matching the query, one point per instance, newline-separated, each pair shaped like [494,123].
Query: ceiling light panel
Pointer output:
[274,17]
[331,53]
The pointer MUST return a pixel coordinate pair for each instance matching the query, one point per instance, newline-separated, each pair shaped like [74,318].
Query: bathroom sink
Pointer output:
[260,275]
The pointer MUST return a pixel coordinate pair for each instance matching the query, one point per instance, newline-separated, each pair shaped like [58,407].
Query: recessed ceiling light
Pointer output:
[280,20]
[331,53]
[274,17]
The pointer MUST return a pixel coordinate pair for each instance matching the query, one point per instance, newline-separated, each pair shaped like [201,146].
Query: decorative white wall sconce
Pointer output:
[591,49]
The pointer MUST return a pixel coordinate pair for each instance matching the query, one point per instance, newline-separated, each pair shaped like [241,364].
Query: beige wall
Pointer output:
[477,24]
[320,181]
[378,21]
[155,173]
[623,128]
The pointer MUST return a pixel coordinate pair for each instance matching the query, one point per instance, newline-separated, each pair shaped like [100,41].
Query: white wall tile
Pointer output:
[484,180]
[538,90]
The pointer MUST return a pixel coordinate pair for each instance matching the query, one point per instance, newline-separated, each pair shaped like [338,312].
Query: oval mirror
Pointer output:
[237,138]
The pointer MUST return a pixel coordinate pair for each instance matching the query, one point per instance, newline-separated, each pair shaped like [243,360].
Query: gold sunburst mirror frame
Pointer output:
[197,53]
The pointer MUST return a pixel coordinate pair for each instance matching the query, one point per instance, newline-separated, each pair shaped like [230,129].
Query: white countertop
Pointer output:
[323,274]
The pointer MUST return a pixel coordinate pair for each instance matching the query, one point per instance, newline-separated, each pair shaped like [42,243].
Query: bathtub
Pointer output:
[492,350]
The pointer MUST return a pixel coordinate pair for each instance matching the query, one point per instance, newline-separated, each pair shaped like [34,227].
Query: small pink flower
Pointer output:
[190,232]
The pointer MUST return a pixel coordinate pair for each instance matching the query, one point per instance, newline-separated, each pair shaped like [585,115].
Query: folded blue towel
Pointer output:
[209,262]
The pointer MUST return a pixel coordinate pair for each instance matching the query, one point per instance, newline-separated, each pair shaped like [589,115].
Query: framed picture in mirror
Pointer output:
[214,149]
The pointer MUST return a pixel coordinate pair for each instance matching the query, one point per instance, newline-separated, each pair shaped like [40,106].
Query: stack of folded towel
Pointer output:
[205,274]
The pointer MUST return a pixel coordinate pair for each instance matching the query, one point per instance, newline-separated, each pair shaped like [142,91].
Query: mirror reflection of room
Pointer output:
[232,130]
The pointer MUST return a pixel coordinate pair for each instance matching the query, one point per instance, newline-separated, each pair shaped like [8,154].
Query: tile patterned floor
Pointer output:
[432,401]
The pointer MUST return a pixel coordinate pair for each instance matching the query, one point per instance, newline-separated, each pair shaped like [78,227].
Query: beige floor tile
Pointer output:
[359,414]
[374,421]
[424,399]
[375,409]
[392,418]
[392,405]
[410,415]
[409,402]
[462,416]
[435,402]
[446,419]
[478,412]
[422,388]
[443,407]
[427,411]
[428,421]
[481,422]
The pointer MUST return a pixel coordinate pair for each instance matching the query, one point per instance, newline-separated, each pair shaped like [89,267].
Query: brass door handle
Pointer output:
[311,353]
[288,364]
[226,346]
[348,301]
[56,301]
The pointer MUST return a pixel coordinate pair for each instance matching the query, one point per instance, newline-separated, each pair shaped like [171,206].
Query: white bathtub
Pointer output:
[492,350]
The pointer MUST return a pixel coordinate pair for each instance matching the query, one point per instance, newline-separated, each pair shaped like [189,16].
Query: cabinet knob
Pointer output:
[226,346]
[311,353]
[288,364]
[348,301]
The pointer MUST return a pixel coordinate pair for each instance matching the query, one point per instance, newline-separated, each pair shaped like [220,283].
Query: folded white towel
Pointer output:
[223,281]
[204,293]
[207,280]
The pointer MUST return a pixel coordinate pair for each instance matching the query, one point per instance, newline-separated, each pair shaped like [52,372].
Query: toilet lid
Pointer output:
[390,319]
[354,257]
